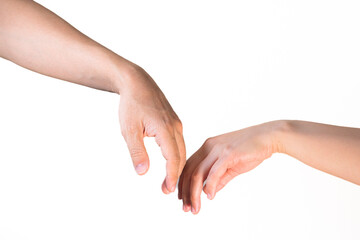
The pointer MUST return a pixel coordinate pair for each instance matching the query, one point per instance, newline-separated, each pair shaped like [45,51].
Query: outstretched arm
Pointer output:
[332,149]
[36,38]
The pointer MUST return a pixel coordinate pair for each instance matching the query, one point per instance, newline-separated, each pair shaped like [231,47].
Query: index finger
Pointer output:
[182,150]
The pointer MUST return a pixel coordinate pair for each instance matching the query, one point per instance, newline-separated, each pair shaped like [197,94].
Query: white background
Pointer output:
[65,172]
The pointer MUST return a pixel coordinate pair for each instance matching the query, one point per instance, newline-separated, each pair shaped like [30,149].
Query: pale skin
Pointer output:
[36,38]
[331,149]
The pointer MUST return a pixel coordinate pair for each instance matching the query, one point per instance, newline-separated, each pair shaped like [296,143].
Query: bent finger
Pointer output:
[216,172]
[171,153]
[189,167]
[225,179]
[197,182]
[182,151]
[135,142]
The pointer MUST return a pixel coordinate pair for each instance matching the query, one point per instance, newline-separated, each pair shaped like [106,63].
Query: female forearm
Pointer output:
[332,149]
[36,38]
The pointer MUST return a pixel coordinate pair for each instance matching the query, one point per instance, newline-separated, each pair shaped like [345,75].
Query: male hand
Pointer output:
[35,39]
[144,111]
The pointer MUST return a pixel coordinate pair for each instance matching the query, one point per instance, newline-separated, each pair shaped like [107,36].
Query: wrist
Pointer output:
[118,71]
[281,129]
[129,78]
[121,75]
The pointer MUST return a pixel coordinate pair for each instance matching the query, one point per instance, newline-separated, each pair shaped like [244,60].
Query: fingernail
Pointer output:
[193,210]
[209,196]
[169,186]
[141,168]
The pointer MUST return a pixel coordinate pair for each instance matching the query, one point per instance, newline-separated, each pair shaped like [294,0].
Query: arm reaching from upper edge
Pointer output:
[332,149]
[36,38]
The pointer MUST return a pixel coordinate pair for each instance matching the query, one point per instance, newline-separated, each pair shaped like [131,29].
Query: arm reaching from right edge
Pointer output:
[332,149]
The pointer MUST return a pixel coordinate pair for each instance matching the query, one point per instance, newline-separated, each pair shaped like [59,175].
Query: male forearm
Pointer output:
[35,38]
[332,149]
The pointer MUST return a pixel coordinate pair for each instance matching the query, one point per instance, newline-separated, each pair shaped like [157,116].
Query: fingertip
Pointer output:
[187,208]
[210,193]
[170,184]
[195,210]
[164,188]
[142,168]
[186,205]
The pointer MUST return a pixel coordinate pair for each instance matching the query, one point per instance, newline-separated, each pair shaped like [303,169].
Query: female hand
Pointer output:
[222,158]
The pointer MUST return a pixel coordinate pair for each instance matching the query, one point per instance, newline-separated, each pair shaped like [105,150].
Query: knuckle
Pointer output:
[136,152]
[196,176]
[170,124]
[217,149]
[166,121]
[207,145]
[227,151]
[209,141]
[211,177]
[193,198]
[135,70]
[127,130]
[178,125]
[209,180]
[209,187]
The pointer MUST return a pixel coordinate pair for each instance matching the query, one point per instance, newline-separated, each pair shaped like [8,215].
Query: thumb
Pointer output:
[139,156]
